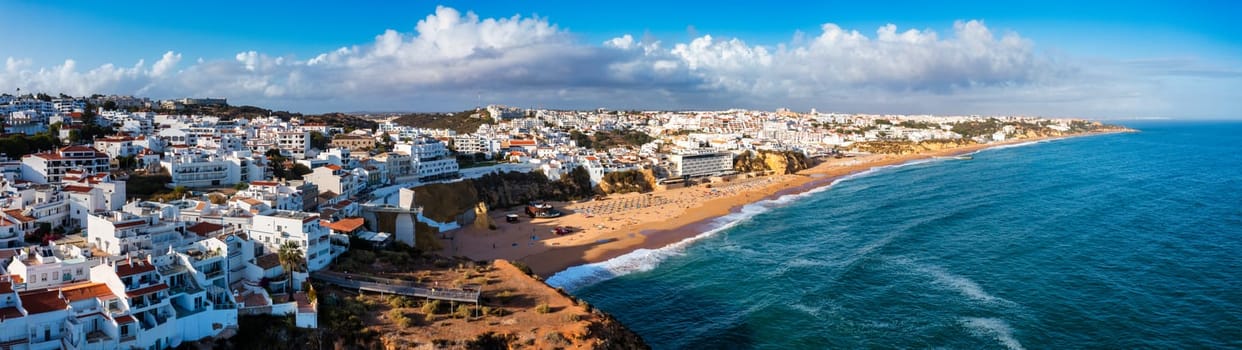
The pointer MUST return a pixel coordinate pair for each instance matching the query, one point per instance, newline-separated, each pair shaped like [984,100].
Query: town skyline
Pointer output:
[961,59]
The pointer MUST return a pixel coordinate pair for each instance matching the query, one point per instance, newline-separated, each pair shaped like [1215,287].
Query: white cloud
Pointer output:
[450,56]
[165,63]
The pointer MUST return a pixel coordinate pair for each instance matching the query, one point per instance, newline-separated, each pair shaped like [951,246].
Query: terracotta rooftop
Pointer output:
[77,189]
[268,261]
[17,215]
[86,291]
[146,290]
[133,268]
[10,312]
[204,228]
[37,302]
[346,224]
[125,319]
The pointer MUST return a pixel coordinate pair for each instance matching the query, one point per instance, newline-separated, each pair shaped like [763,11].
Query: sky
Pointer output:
[1104,60]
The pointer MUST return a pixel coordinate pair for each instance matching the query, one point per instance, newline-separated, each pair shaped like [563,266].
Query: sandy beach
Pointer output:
[604,229]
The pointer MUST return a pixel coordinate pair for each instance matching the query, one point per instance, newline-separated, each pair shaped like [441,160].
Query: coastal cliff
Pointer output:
[774,162]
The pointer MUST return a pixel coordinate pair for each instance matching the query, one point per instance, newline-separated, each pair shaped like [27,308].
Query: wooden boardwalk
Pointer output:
[400,287]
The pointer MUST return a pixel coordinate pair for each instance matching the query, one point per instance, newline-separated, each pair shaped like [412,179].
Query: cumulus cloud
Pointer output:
[450,56]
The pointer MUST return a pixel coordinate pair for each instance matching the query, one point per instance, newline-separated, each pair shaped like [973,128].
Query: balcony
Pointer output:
[97,336]
[214,274]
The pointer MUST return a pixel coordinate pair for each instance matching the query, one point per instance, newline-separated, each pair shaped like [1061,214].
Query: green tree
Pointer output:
[291,259]
[127,162]
[582,140]
[319,140]
[299,170]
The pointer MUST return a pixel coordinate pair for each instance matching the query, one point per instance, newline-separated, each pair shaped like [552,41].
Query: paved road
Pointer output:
[391,286]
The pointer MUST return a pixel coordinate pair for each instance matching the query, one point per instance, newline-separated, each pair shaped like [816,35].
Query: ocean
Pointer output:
[1110,241]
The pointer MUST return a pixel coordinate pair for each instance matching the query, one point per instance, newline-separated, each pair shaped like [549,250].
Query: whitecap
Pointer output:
[967,287]
[997,328]
[643,260]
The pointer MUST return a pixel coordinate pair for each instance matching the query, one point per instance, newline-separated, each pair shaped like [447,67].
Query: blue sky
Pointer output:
[1092,59]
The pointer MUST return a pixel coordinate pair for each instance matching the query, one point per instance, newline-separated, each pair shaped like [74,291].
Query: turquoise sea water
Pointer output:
[1114,241]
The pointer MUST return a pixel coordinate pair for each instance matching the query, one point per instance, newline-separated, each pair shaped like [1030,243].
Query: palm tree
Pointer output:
[291,259]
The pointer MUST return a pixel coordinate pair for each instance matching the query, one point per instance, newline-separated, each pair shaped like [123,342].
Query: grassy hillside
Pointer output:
[461,122]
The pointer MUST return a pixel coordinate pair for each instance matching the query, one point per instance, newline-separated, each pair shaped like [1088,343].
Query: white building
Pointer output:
[702,164]
[50,266]
[431,159]
[144,227]
[198,168]
[117,146]
[276,195]
[335,179]
[303,229]
[92,194]
[297,143]
[49,167]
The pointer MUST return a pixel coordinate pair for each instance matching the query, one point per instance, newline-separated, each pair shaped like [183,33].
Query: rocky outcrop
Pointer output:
[481,219]
[595,330]
[908,147]
[641,180]
[772,162]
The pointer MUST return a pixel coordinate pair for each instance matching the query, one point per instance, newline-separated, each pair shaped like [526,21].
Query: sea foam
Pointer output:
[997,328]
[643,260]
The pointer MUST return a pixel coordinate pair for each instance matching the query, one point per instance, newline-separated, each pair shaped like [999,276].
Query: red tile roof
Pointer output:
[146,290]
[346,224]
[268,261]
[6,284]
[129,223]
[204,228]
[77,189]
[76,149]
[17,215]
[133,268]
[125,319]
[86,291]
[37,302]
[10,312]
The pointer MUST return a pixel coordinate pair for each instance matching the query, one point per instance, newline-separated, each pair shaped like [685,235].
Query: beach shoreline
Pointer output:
[656,220]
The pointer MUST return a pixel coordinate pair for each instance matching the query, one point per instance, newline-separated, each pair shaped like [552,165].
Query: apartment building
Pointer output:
[50,266]
[301,228]
[701,164]
[199,168]
[431,159]
[353,142]
[335,179]
[144,227]
[117,146]
[50,167]
[297,143]
[276,195]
